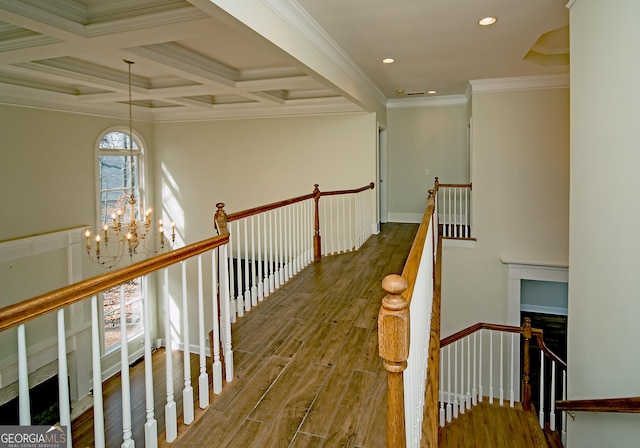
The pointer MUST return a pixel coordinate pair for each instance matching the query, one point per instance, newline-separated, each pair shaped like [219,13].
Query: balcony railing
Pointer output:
[254,253]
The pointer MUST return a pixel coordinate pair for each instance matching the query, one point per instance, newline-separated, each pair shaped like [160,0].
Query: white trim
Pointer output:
[535,270]
[427,101]
[520,83]
[453,242]
[408,218]
[33,245]
[544,309]
[570,4]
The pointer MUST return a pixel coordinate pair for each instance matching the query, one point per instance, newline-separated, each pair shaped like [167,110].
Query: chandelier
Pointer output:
[127,234]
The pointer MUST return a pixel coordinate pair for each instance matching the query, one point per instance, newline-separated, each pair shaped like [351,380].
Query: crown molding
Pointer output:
[520,83]
[570,4]
[308,29]
[432,101]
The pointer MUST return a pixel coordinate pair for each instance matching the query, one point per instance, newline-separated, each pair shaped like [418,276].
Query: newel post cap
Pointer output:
[393,324]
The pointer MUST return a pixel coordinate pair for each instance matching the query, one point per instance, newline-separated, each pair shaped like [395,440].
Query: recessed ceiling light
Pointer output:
[400,91]
[388,61]
[487,21]
[432,92]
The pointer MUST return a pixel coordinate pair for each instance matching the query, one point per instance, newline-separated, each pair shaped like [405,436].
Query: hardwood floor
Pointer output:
[493,426]
[307,366]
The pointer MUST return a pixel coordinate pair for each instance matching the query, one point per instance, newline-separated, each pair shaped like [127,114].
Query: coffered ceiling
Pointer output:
[203,59]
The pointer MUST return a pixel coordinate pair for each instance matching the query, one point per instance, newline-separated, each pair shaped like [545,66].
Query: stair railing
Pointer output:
[19,314]
[482,362]
[454,210]
[286,248]
[409,298]
[271,243]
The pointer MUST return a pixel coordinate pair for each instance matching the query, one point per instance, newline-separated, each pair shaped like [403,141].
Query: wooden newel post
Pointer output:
[220,218]
[317,243]
[393,339]
[526,368]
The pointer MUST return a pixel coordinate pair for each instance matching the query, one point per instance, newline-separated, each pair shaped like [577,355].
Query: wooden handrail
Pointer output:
[628,404]
[469,186]
[265,208]
[479,326]
[371,186]
[393,329]
[16,314]
[432,393]
[410,270]
[547,351]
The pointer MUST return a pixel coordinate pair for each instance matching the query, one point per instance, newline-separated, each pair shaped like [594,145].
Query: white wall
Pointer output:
[421,138]
[520,167]
[247,163]
[604,284]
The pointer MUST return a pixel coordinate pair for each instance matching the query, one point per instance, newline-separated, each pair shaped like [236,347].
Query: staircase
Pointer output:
[495,426]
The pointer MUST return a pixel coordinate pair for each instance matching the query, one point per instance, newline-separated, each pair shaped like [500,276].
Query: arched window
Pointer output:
[119,174]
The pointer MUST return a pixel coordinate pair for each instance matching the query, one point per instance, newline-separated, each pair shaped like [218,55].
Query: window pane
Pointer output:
[115,171]
[116,140]
[111,310]
[112,324]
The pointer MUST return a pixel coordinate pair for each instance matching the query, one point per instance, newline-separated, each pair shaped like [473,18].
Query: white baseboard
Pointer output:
[406,218]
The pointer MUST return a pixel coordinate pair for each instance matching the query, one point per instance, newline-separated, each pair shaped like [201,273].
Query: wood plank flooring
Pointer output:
[493,426]
[307,367]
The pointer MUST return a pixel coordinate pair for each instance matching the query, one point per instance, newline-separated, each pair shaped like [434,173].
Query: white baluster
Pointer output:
[215,355]
[203,379]
[456,218]
[491,366]
[63,375]
[262,290]
[456,404]
[541,413]
[187,391]
[563,435]
[23,378]
[474,392]
[511,389]
[501,369]
[467,227]
[279,249]
[462,371]
[344,224]
[238,254]
[98,408]
[254,282]
[351,230]
[225,324]
[271,258]
[449,221]
[308,234]
[247,280]
[449,402]
[230,281]
[170,412]
[480,392]
[127,441]
[441,391]
[285,243]
[469,372]
[291,237]
[552,401]
[151,424]
[299,239]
